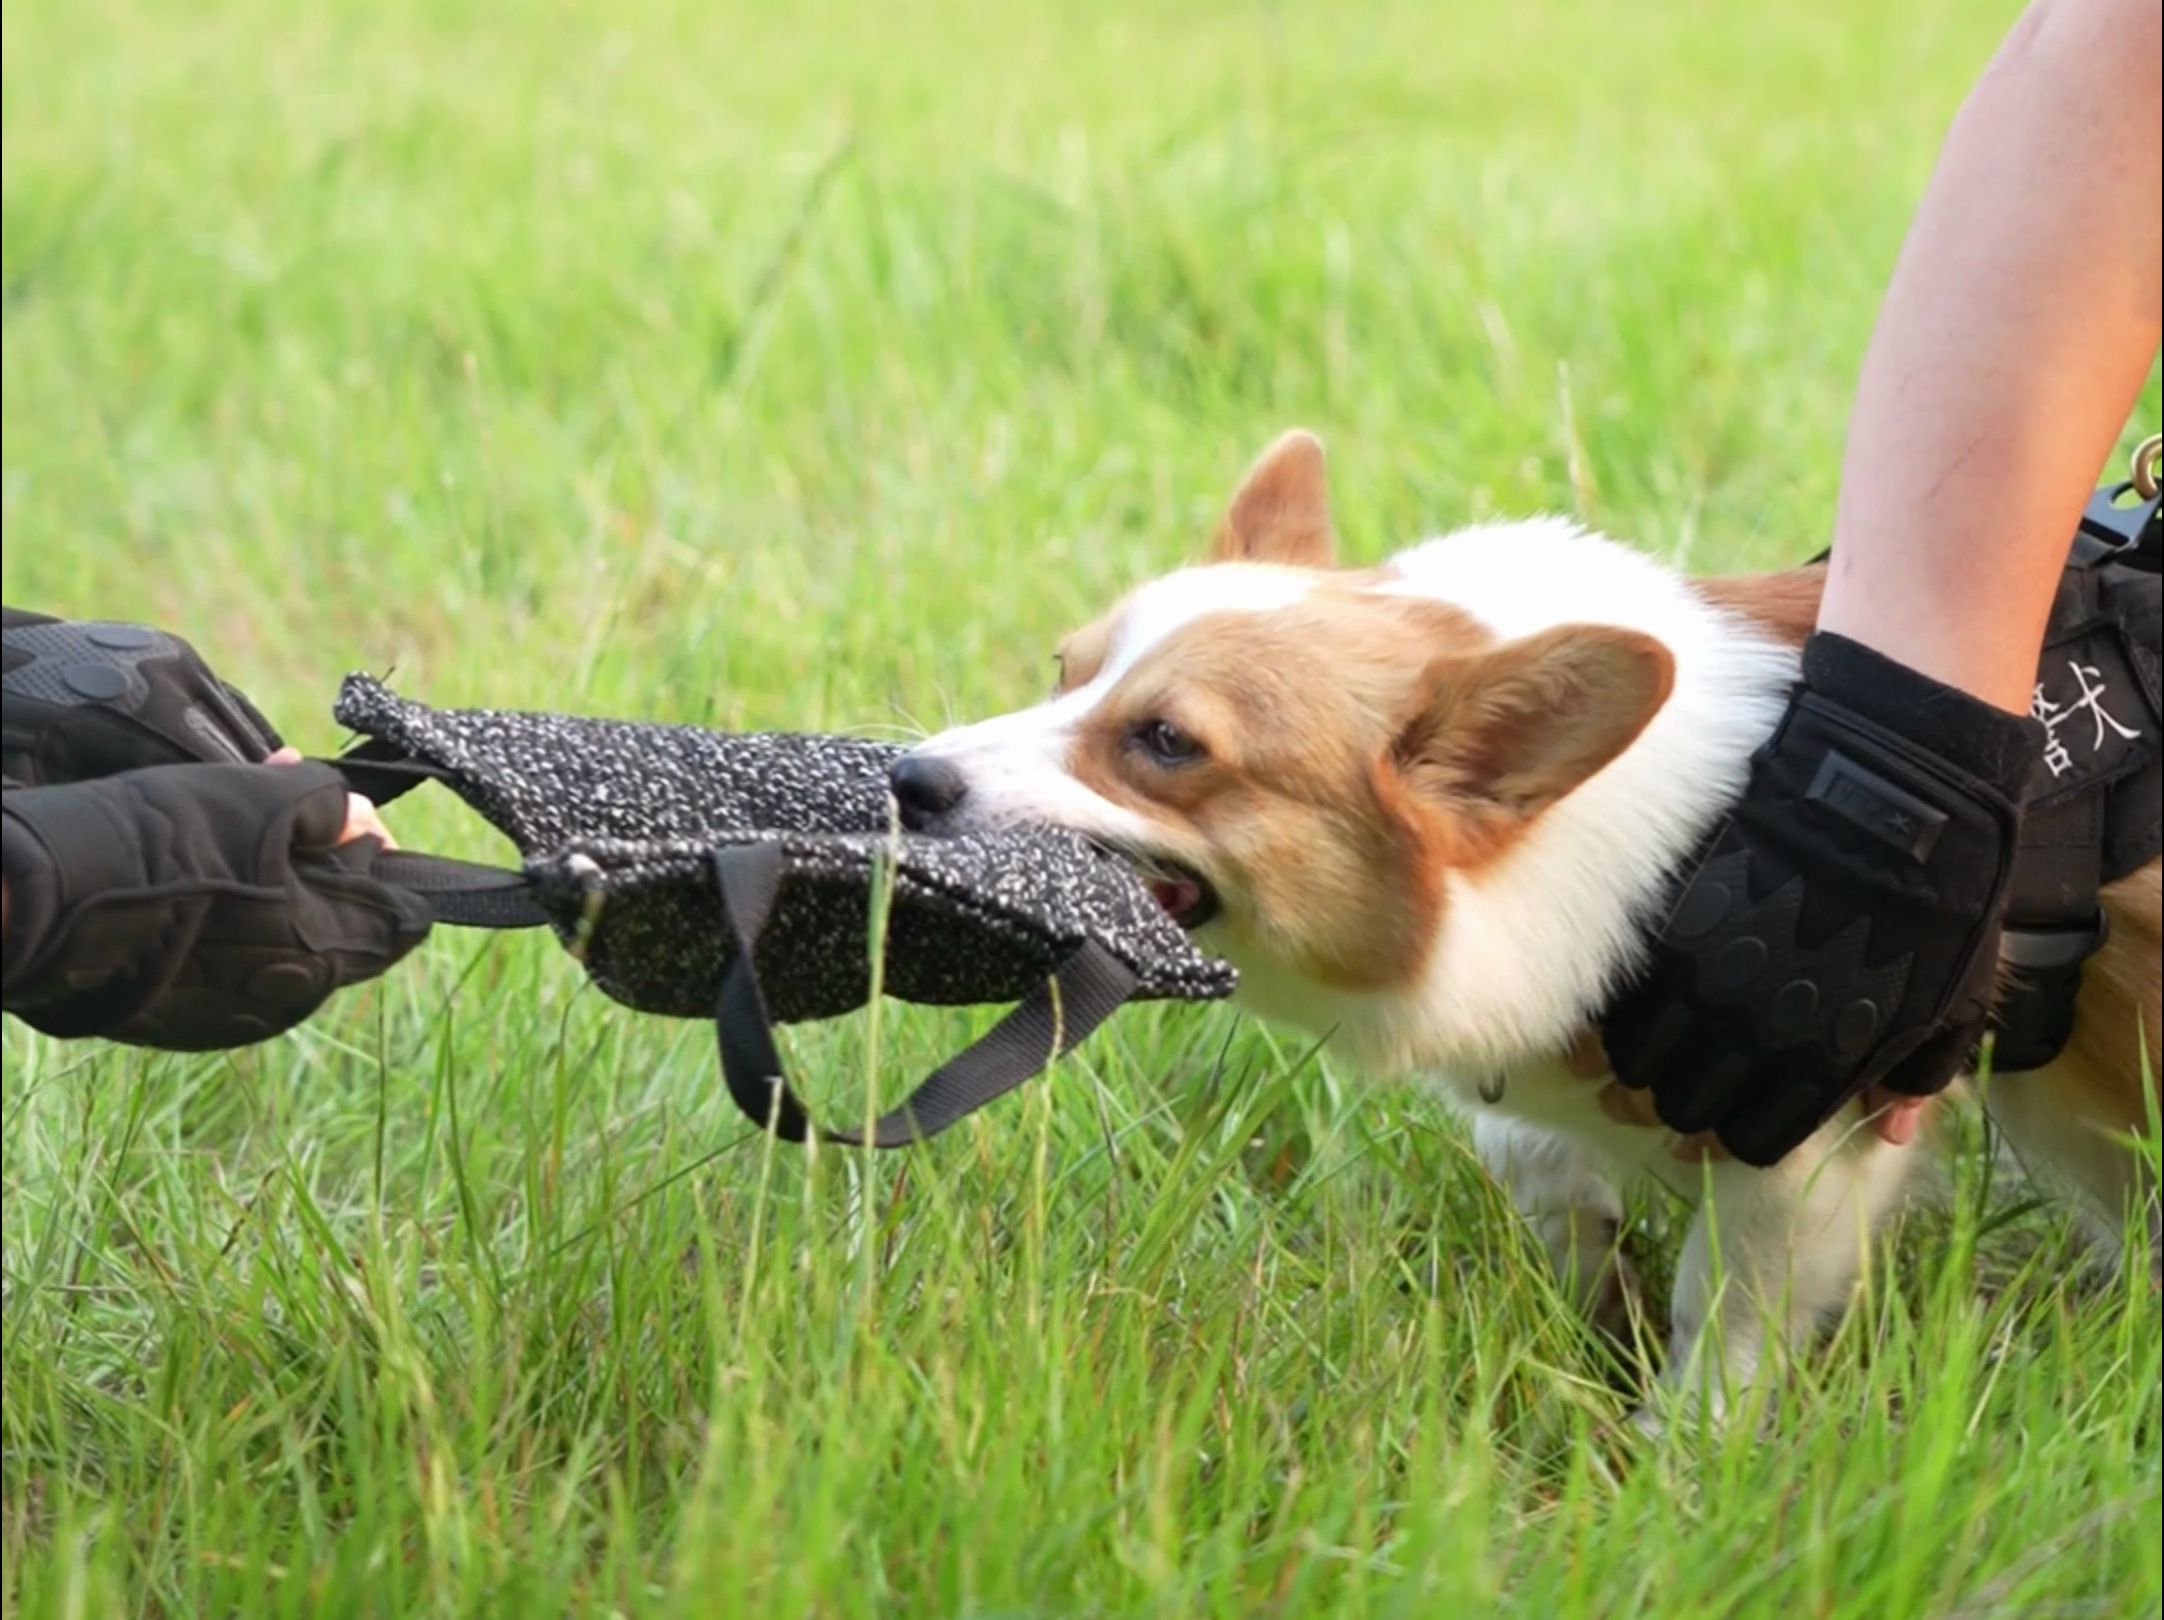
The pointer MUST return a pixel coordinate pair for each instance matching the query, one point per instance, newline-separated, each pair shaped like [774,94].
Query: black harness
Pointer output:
[2098,810]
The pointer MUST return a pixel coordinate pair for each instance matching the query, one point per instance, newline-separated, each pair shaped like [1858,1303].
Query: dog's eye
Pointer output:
[1166,743]
[1059,672]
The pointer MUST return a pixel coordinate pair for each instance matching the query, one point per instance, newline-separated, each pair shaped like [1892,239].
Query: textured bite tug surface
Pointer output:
[618,821]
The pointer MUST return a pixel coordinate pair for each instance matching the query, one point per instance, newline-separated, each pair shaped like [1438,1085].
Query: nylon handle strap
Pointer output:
[383,771]
[1087,987]
[464,894]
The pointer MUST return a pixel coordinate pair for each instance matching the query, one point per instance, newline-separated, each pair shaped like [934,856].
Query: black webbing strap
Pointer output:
[1082,992]
[382,771]
[463,893]
[2115,528]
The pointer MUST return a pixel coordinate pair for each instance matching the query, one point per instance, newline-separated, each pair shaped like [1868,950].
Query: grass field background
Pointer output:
[811,367]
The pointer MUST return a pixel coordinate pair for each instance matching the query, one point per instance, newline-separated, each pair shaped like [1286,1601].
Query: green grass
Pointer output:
[811,366]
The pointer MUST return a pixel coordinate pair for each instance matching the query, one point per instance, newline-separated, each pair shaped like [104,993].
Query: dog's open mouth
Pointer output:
[1184,893]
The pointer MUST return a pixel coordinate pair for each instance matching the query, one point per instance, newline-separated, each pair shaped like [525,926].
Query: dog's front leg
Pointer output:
[1771,1255]
[1573,1208]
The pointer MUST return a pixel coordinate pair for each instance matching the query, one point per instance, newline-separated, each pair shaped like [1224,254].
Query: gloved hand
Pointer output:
[84,699]
[192,907]
[1842,928]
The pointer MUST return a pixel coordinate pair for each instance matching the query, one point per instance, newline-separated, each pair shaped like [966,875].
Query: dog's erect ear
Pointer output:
[1281,513]
[1507,732]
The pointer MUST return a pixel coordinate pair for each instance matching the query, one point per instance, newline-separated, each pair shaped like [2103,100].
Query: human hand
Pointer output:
[82,699]
[194,907]
[1841,933]
[363,819]
[85,699]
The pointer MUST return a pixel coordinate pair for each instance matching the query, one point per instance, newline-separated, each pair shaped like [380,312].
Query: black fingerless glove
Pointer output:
[1841,930]
[192,907]
[84,699]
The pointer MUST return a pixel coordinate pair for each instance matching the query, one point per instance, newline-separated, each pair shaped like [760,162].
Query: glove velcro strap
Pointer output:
[1933,719]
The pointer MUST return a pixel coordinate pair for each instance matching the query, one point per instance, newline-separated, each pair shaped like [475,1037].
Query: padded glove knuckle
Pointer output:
[86,699]
[1834,993]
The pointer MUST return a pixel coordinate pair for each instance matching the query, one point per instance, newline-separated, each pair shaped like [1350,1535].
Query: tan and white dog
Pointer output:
[1431,806]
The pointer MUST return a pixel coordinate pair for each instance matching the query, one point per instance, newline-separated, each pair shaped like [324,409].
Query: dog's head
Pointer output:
[1298,756]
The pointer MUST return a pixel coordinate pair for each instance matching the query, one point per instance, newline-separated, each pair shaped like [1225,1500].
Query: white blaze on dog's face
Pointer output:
[1298,755]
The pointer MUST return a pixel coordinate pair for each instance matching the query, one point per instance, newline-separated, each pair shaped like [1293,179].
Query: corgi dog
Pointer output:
[1431,808]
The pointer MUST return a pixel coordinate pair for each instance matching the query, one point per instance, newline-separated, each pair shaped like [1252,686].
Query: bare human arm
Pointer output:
[2020,322]
[2016,332]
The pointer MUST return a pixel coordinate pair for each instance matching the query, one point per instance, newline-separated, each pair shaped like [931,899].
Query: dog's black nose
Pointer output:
[926,789]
